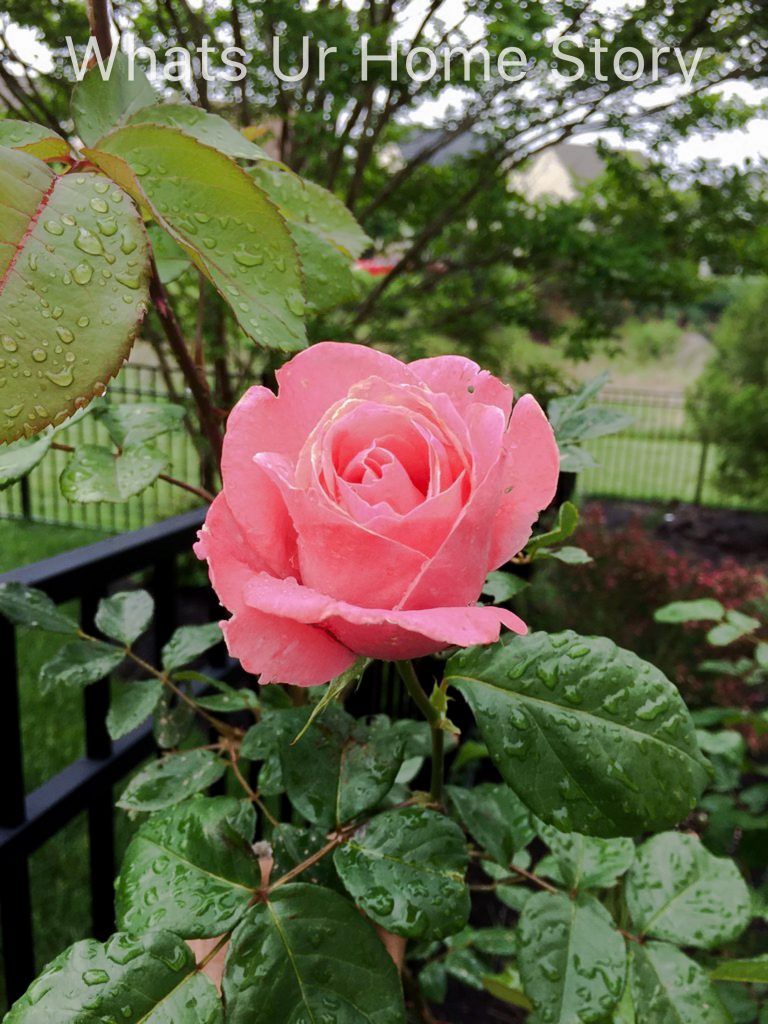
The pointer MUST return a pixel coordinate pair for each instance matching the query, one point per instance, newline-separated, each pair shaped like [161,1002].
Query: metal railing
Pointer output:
[29,819]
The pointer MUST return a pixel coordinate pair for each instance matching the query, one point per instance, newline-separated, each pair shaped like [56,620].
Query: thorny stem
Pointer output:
[210,423]
[199,491]
[413,686]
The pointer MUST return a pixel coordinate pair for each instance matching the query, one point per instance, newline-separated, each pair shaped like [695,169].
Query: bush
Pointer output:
[728,401]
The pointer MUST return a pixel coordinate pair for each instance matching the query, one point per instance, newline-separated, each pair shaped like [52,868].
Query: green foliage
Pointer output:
[70,234]
[572,958]
[321,958]
[146,980]
[406,871]
[78,664]
[188,643]
[25,606]
[495,818]
[678,891]
[190,869]
[171,780]
[606,718]
[576,418]
[667,985]
[132,703]
[728,400]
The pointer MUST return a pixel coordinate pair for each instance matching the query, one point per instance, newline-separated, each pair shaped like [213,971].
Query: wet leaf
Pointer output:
[312,207]
[677,890]
[590,737]
[308,955]
[572,959]
[132,703]
[190,869]
[146,980]
[171,780]
[736,626]
[340,768]
[495,818]
[433,981]
[503,586]
[138,422]
[750,972]
[585,862]
[34,139]
[508,988]
[99,105]
[73,290]
[406,869]
[97,474]
[222,219]
[211,129]
[125,616]
[25,606]
[18,459]
[292,845]
[668,986]
[188,643]
[567,521]
[78,664]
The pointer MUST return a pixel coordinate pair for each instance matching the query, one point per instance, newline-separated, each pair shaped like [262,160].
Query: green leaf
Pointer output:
[340,768]
[25,606]
[584,862]
[508,987]
[433,981]
[736,626]
[668,986]
[292,845]
[464,966]
[172,721]
[496,819]
[97,474]
[750,972]
[217,214]
[406,869]
[503,586]
[208,128]
[190,869]
[493,941]
[574,419]
[568,555]
[78,664]
[99,105]
[125,616]
[333,692]
[706,609]
[171,780]
[18,459]
[171,260]
[132,703]
[726,751]
[135,423]
[590,737]
[571,957]
[73,248]
[34,139]
[761,655]
[567,521]
[188,643]
[678,891]
[263,742]
[151,979]
[329,279]
[304,203]
[574,459]
[308,955]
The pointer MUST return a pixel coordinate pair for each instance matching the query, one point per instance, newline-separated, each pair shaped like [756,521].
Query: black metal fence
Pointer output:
[29,819]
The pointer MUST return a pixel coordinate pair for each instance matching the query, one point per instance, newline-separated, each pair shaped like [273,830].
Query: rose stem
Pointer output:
[413,686]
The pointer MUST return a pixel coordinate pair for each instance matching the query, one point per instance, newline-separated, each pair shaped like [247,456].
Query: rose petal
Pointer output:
[463,381]
[530,477]
[277,649]
[380,632]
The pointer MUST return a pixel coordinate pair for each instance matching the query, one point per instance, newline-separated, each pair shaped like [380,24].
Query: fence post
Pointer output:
[702,474]
[15,897]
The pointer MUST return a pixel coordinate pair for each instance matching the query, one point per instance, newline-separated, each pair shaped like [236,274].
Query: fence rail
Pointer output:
[660,457]
[28,820]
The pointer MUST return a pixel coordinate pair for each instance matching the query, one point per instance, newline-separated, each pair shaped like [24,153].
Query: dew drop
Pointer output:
[62,378]
[83,273]
[53,227]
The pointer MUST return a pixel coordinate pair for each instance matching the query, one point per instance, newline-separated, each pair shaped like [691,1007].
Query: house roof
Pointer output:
[582,162]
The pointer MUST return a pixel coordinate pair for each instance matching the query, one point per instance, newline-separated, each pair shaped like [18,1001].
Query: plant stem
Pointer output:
[199,491]
[99,21]
[210,422]
[433,716]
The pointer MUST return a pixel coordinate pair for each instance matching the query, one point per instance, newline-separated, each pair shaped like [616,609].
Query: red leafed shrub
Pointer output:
[632,574]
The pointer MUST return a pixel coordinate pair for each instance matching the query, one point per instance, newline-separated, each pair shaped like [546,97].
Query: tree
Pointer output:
[335,130]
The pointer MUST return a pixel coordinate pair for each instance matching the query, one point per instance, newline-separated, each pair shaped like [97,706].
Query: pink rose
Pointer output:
[364,506]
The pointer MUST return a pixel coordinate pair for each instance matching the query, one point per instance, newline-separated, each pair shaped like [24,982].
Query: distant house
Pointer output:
[559,173]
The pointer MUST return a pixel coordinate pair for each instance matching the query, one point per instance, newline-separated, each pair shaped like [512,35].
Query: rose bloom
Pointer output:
[365,504]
